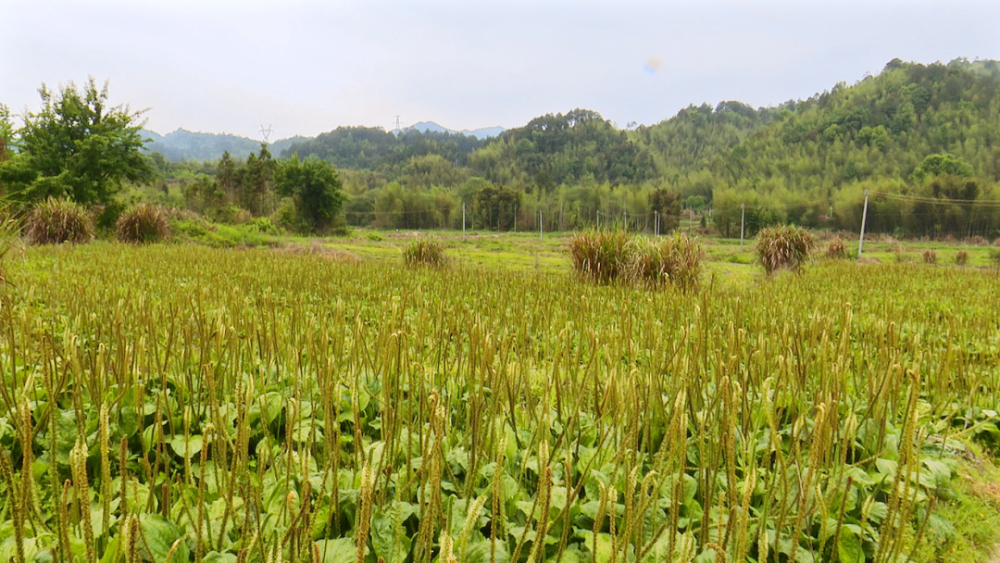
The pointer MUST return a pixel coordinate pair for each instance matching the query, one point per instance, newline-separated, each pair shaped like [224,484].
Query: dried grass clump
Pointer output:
[785,247]
[979,241]
[930,256]
[425,251]
[961,257]
[143,223]
[610,256]
[837,249]
[601,256]
[676,260]
[55,221]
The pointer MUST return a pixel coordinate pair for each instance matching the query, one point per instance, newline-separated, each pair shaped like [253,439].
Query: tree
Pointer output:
[668,204]
[77,147]
[941,164]
[255,181]
[6,132]
[315,189]
[495,206]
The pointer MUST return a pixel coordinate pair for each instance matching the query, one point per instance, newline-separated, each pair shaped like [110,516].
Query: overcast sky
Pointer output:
[305,67]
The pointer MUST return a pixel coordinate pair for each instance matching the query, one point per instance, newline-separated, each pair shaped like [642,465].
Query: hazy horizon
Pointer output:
[308,67]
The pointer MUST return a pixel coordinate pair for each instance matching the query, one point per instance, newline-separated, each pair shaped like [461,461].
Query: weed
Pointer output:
[930,256]
[961,257]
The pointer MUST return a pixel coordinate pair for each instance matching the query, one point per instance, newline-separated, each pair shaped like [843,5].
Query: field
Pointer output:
[319,401]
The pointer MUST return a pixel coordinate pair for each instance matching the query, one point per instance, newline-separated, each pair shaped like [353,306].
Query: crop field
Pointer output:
[179,403]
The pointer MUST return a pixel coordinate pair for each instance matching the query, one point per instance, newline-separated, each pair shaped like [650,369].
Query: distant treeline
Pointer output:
[924,140]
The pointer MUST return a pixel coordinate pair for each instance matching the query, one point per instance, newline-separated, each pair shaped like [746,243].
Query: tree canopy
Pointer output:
[76,146]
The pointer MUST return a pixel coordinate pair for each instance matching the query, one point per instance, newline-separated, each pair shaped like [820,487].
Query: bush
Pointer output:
[143,223]
[55,221]
[602,256]
[837,249]
[961,257]
[426,252]
[930,257]
[609,256]
[108,215]
[785,247]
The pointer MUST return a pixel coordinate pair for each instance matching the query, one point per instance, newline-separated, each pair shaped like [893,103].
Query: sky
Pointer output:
[305,67]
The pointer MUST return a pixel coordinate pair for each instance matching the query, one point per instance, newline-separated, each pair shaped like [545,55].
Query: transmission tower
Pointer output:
[266,133]
[396,125]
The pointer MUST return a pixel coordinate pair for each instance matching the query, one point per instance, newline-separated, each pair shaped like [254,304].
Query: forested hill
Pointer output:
[187,145]
[880,128]
[374,148]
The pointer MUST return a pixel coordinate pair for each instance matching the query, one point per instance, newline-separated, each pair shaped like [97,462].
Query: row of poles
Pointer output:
[743,218]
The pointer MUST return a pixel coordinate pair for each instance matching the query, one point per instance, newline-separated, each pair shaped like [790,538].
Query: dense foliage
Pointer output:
[76,147]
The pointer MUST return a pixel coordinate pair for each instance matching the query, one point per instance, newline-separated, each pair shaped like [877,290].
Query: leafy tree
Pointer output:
[315,189]
[6,131]
[77,146]
[668,204]
[255,182]
[938,164]
[495,206]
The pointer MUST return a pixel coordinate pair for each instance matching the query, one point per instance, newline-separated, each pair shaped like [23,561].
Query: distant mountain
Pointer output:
[187,145]
[482,133]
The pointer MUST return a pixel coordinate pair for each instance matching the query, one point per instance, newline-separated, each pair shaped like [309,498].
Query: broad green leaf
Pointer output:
[849,548]
[160,535]
[341,550]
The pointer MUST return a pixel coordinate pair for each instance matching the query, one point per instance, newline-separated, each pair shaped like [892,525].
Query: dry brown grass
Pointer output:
[142,224]
[781,248]
[55,221]
[930,256]
[837,249]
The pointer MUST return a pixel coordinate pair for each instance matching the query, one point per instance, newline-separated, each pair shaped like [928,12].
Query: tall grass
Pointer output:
[55,221]
[609,256]
[180,402]
[785,247]
[425,251]
[143,223]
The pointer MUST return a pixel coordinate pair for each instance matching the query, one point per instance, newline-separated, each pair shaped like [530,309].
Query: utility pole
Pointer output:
[743,217]
[463,221]
[657,222]
[515,218]
[864,220]
[626,220]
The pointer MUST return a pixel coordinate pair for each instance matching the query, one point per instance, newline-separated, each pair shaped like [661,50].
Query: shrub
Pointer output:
[961,257]
[837,249]
[783,247]
[995,256]
[426,252]
[602,256]
[675,260]
[55,221]
[107,217]
[930,257]
[979,241]
[142,224]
